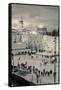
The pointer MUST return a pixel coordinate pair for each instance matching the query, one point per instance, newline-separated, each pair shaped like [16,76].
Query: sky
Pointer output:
[35,16]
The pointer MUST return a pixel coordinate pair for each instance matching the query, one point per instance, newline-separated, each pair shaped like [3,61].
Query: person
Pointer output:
[48,74]
[54,74]
[50,71]
[30,68]
[37,76]
[18,67]
[33,69]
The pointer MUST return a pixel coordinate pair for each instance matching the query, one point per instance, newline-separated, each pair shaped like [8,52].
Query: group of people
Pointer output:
[38,73]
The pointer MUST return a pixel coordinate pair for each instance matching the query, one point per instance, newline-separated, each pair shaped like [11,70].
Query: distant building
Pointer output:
[42,31]
[16,36]
[36,41]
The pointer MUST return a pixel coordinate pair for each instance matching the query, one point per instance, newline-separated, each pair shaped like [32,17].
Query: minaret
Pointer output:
[22,22]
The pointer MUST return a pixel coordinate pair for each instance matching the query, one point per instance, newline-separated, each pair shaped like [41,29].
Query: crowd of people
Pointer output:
[33,70]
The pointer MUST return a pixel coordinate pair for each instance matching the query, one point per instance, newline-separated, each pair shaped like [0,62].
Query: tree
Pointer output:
[55,32]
